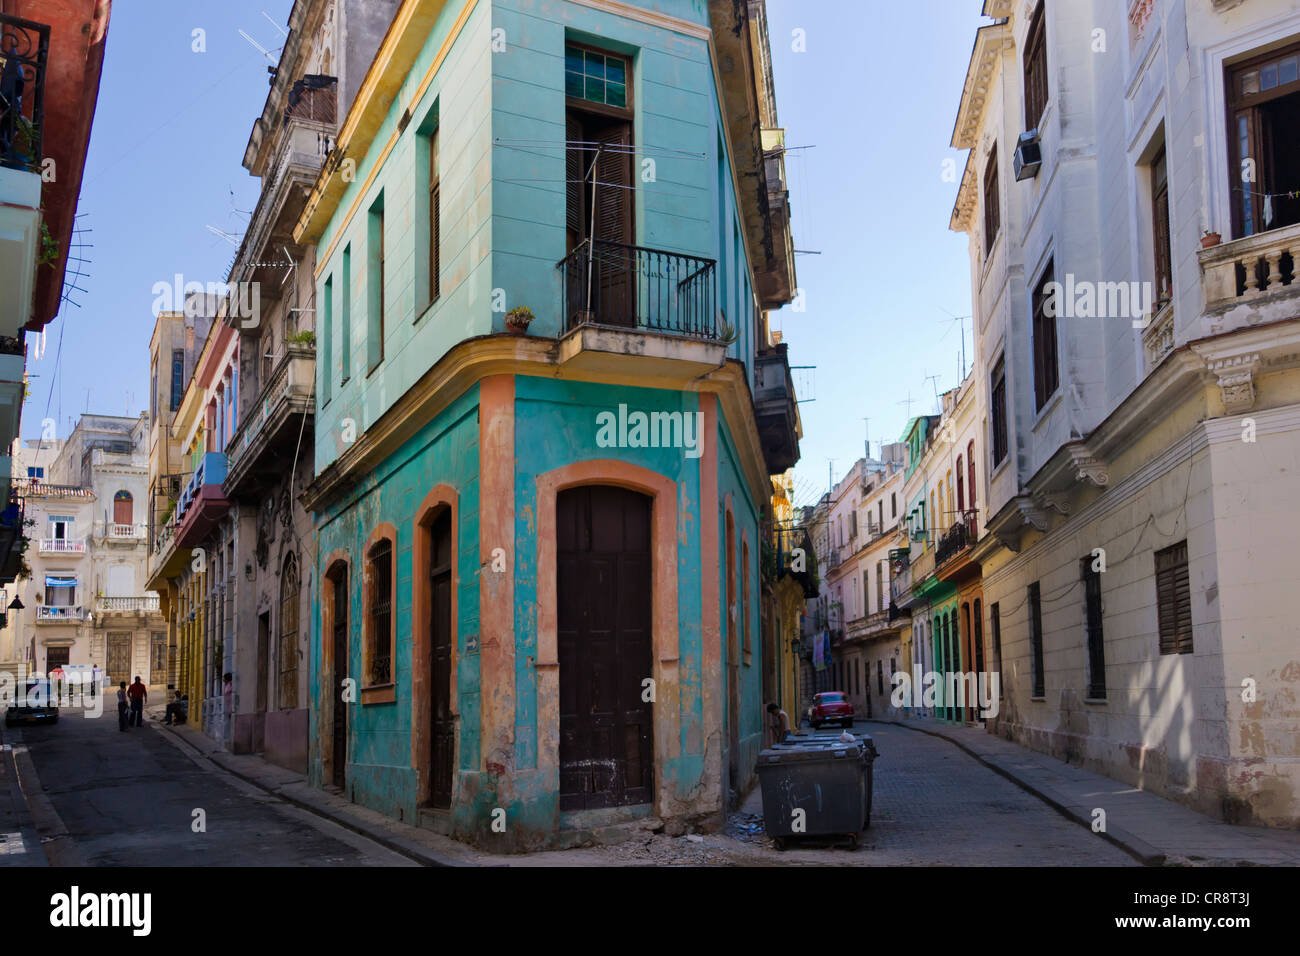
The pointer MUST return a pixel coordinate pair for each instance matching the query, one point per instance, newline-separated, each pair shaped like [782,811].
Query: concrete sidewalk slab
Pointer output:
[1151,828]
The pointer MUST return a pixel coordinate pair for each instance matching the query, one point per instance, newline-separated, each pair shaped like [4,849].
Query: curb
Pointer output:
[1134,846]
[407,848]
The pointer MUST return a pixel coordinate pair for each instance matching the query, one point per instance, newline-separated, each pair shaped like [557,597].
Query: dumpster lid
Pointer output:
[817,750]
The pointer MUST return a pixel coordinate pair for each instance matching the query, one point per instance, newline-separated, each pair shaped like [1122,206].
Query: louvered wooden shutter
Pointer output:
[1174,600]
[574,168]
[613,194]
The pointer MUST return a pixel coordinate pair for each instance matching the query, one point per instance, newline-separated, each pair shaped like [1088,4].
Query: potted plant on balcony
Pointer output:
[305,339]
[1210,238]
[517,320]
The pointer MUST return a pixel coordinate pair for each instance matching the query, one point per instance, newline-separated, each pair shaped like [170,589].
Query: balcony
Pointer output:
[263,446]
[775,409]
[203,501]
[25,47]
[115,533]
[795,557]
[60,614]
[871,626]
[305,138]
[1257,273]
[952,554]
[630,287]
[62,546]
[922,567]
[900,579]
[143,604]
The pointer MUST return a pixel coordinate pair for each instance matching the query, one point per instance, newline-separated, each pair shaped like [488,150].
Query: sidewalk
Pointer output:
[20,845]
[1152,829]
[423,846]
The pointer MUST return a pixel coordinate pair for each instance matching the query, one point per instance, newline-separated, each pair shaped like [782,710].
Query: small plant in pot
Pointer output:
[1210,238]
[517,320]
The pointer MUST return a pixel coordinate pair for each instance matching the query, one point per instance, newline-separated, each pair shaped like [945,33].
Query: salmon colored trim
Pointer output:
[379,693]
[497,588]
[663,588]
[330,679]
[711,675]
[746,595]
[441,497]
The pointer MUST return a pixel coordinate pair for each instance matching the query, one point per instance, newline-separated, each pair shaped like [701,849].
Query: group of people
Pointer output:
[130,703]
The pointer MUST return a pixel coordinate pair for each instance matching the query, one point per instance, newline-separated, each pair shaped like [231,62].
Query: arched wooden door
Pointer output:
[604,645]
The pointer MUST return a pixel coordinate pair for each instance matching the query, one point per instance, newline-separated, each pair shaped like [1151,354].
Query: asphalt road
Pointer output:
[112,798]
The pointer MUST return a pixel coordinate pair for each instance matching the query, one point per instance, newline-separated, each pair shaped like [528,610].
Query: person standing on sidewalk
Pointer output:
[95,676]
[778,726]
[138,694]
[122,722]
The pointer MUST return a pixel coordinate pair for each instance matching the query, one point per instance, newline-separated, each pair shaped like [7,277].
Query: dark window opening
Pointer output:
[1093,622]
[992,214]
[1036,639]
[1263,107]
[998,418]
[1046,366]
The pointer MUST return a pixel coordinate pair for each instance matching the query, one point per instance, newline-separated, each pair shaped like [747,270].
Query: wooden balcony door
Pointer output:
[600,205]
[604,642]
[442,739]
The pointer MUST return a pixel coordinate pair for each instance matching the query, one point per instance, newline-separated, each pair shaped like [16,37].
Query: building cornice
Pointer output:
[652,361]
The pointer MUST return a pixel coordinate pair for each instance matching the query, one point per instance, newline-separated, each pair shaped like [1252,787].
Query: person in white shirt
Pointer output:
[95,676]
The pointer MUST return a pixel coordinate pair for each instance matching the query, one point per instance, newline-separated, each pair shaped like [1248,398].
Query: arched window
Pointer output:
[288,656]
[961,487]
[123,508]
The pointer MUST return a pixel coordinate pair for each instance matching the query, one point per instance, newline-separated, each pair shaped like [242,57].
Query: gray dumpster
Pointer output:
[829,781]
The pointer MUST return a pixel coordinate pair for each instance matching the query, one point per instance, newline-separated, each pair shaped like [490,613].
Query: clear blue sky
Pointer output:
[875,94]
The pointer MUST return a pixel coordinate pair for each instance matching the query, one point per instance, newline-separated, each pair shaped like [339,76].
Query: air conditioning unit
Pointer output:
[1028,156]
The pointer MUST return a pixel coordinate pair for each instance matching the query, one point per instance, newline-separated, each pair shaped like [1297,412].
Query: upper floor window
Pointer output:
[122,508]
[998,411]
[598,77]
[1160,227]
[1035,69]
[1046,364]
[178,378]
[1263,95]
[992,214]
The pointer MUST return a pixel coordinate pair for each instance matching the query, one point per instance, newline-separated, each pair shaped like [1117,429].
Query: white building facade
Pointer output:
[1142,392]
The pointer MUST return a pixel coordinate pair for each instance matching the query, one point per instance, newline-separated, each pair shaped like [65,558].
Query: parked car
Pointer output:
[36,703]
[831,706]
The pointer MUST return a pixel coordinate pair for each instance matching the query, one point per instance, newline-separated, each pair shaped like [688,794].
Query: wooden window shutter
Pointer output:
[992,212]
[1174,600]
[613,189]
[574,170]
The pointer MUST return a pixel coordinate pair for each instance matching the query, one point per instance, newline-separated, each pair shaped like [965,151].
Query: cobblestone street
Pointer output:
[934,805]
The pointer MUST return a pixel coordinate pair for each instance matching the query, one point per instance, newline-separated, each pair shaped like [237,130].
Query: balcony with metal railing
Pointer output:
[203,501]
[24,52]
[269,435]
[60,614]
[114,532]
[635,288]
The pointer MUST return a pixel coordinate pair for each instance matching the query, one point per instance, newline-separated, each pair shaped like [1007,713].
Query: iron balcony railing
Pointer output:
[612,284]
[58,614]
[24,49]
[956,539]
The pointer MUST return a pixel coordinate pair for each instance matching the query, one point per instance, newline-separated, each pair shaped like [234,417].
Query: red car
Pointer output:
[831,705]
